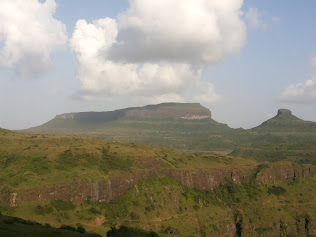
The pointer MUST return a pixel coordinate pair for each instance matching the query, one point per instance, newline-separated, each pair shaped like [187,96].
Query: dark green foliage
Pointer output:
[109,162]
[276,190]
[134,216]
[81,229]
[61,205]
[43,210]
[95,211]
[124,231]
[67,227]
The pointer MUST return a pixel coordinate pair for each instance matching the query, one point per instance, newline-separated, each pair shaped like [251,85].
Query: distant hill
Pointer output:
[185,126]
[191,111]
[285,121]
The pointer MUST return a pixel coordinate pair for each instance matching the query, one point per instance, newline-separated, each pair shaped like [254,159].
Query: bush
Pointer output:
[95,211]
[81,230]
[134,216]
[276,190]
[67,227]
[60,205]
[39,210]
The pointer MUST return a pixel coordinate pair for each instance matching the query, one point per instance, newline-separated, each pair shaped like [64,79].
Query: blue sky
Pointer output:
[263,59]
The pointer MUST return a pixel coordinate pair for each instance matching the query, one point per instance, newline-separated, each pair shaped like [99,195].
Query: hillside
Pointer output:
[181,126]
[285,121]
[185,127]
[97,184]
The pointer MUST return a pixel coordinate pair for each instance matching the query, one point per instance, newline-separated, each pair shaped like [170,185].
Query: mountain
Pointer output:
[185,126]
[106,185]
[285,121]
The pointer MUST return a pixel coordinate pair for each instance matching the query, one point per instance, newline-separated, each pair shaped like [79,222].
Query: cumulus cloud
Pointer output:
[98,74]
[300,92]
[199,31]
[156,50]
[253,17]
[29,34]
[208,94]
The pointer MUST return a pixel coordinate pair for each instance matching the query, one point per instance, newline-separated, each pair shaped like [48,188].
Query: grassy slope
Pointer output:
[182,134]
[36,159]
[162,205]
[302,152]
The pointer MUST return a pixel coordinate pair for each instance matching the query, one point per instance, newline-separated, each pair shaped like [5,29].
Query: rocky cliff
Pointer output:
[160,111]
[116,185]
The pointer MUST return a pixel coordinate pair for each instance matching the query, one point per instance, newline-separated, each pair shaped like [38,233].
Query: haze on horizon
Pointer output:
[241,59]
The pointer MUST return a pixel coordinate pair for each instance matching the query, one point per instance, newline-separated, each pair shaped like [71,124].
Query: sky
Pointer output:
[242,59]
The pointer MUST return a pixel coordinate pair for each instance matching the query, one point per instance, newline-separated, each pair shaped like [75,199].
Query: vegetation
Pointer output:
[301,152]
[17,227]
[62,180]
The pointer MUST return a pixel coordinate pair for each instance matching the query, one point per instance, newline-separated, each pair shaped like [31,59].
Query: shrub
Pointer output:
[67,227]
[95,211]
[60,205]
[276,190]
[39,210]
[81,229]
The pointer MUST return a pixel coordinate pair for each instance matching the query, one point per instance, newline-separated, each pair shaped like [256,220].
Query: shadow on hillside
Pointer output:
[124,231]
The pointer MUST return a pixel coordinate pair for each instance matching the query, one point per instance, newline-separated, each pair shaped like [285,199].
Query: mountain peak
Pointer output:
[284,112]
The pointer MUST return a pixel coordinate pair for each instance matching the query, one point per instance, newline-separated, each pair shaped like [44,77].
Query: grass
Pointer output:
[161,205]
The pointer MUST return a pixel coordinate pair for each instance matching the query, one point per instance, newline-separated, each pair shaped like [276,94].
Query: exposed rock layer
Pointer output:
[117,184]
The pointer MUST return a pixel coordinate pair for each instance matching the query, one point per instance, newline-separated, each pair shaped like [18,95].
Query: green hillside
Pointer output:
[284,121]
[301,152]
[185,127]
[181,126]
[114,187]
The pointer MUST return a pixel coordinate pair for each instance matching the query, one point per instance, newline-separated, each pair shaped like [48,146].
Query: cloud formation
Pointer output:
[300,92]
[98,74]
[29,34]
[254,19]
[151,52]
[199,31]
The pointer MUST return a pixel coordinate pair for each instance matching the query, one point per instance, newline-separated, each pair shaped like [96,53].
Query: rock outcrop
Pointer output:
[116,185]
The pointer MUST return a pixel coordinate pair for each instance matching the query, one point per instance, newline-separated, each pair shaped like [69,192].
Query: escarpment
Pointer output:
[105,190]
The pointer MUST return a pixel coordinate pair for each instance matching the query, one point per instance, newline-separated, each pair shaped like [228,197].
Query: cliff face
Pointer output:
[284,172]
[117,184]
[160,111]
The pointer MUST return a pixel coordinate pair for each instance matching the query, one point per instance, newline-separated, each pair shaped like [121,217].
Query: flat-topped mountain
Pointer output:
[185,126]
[161,111]
[285,121]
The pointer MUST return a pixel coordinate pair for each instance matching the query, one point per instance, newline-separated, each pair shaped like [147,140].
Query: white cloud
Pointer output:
[253,16]
[208,94]
[199,31]
[29,34]
[300,92]
[100,75]
[156,49]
